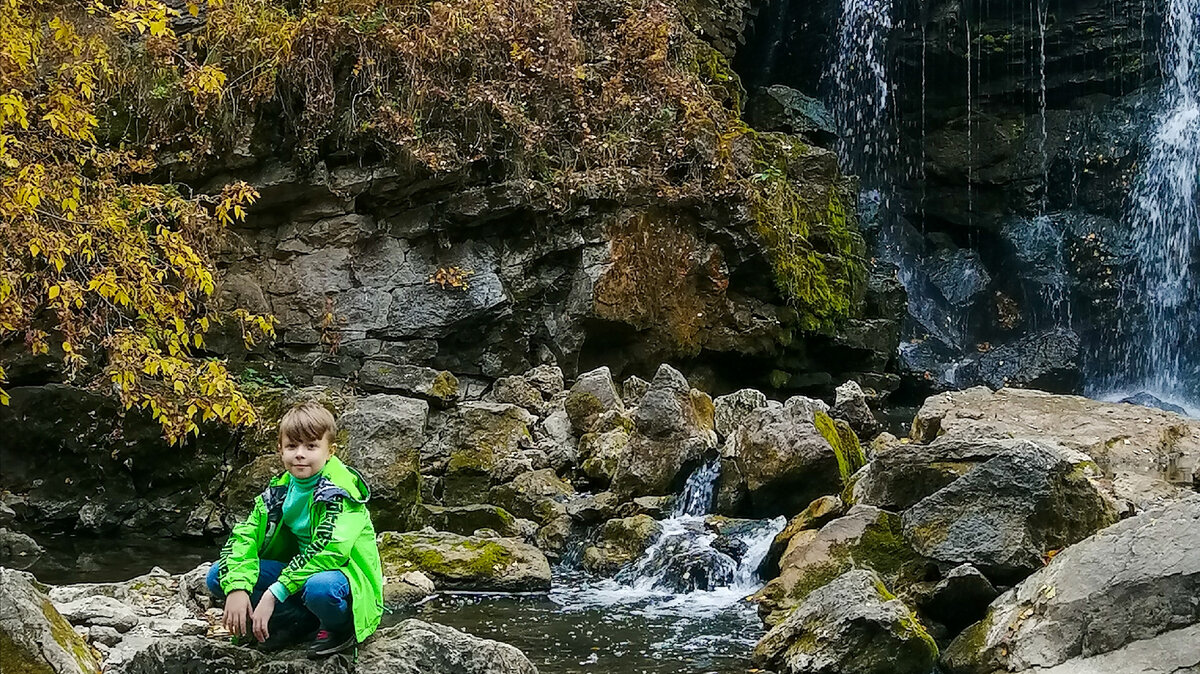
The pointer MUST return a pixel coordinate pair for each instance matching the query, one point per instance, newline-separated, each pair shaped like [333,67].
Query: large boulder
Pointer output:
[673,429]
[602,449]
[412,647]
[384,438]
[620,541]
[592,393]
[34,637]
[1146,455]
[466,520]
[731,410]
[816,515]
[457,562]
[537,495]
[866,537]
[852,625]
[850,405]
[1132,587]
[472,444]
[438,387]
[1014,502]
[782,457]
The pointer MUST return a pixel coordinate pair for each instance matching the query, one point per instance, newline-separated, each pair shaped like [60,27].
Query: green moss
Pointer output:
[778,378]
[66,637]
[17,660]
[815,577]
[468,558]
[445,386]
[812,242]
[841,438]
[581,404]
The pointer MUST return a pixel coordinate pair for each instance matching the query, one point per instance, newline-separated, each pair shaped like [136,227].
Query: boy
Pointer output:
[306,553]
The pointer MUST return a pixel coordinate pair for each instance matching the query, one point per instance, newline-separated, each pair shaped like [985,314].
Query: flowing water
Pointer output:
[679,608]
[1164,348]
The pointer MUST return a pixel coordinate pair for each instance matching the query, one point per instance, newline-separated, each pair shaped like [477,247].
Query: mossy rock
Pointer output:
[866,537]
[457,562]
[621,541]
[34,637]
[466,520]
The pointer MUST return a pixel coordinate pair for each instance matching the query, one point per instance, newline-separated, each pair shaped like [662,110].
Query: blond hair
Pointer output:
[306,422]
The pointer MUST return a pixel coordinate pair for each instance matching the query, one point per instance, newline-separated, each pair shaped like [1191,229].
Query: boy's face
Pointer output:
[304,459]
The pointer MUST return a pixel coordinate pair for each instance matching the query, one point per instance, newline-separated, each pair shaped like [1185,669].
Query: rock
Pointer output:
[34,637]
[99,610]
[464,520]
[553,537]
[658,507]
[515,390]
[852,625]
[816,515]
[851,406]
[478,439]
[632,390]
[732,409]
[412,647]
[593,508]
[866,537]
[247,481]
[1174,652]
[673,429]
[1146,455]
[1127,586]
[556,437]
[781,108]
[620,541]
[959,599]
[385,434]
[601,453]
[592,393]
[1008,511]
[539,495]
[416,647]
[438,387]
[1149,400]
[148,592]
[18,551]
[457,562]
[546,379]
[780,459]
[408,589]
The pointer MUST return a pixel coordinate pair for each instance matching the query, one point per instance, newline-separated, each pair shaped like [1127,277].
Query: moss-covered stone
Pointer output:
[620,541]
[466,562]
[841,437]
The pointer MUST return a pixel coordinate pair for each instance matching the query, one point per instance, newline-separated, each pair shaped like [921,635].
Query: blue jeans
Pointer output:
[325,595]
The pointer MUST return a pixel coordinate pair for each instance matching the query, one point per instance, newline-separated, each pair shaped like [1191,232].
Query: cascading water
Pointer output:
[1164,350]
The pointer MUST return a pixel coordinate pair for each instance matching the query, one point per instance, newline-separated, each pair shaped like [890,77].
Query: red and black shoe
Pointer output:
[329,643]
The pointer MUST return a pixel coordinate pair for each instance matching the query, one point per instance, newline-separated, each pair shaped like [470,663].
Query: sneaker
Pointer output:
[327,643]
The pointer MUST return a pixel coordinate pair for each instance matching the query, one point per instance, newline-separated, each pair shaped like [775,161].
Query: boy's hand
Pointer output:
[262,615]
[237,612]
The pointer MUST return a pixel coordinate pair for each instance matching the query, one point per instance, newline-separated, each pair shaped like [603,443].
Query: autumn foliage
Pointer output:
[106,261]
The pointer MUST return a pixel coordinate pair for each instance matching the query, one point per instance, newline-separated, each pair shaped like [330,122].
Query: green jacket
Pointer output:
[343,539]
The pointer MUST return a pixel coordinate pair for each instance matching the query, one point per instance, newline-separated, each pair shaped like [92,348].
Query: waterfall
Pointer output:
[1163,356]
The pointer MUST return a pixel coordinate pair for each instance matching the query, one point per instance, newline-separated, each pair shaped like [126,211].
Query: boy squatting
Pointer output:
[305,559]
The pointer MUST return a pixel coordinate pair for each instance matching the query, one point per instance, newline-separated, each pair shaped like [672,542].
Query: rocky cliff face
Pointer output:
[1012,139]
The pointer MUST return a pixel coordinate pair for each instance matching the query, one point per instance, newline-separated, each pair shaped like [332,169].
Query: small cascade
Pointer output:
[691,556]
[1163,356]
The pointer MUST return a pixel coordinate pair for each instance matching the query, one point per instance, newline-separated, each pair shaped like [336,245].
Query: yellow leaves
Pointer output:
[13,110]
[142,17]
[52,293]
[205,80]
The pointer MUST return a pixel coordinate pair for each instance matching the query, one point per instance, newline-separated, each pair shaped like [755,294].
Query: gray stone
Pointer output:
[99,610]
[464,520]
[1004,514]
[35,637]
[17,550]
[439,387]
[851,405]
[632,390]
[385,434]
[456,562]
[592,393]
[1174,652]
[1132,582]
[852,625]
[732,409]
[959,599]
[539,496]
[619,542]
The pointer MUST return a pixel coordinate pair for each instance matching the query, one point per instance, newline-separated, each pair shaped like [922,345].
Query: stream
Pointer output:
[678,608]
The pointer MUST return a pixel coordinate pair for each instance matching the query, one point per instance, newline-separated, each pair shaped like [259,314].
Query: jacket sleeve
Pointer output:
[239,557]
[340,526]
